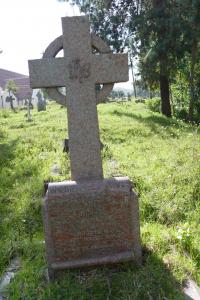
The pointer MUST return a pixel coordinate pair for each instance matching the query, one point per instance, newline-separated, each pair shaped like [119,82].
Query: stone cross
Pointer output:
[88,220]
[79,70]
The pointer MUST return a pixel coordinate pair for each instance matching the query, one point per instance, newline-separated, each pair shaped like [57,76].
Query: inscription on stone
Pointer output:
[79,71]
[95,224]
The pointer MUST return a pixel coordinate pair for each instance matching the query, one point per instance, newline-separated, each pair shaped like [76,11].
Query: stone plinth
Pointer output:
[91,223]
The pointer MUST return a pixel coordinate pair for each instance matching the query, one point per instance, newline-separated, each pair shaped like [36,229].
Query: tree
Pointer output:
[12,89]
[160,19]
[188,67]
[161,33]
[117,21]
[192,37]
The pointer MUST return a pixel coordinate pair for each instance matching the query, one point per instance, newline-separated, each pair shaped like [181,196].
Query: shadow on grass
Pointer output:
[7,156]
[7,177]
[125,281]
[155,122]
[7,173]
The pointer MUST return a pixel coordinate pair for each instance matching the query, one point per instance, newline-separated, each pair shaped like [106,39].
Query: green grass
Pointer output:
[162,158]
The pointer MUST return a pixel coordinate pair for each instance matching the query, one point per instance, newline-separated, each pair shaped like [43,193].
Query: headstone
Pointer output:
[88,220]
[10,99]
[29,106]
[129,97]
[41,105]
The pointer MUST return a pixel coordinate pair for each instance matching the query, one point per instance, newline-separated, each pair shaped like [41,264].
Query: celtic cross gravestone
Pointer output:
[41,104]
[88,220]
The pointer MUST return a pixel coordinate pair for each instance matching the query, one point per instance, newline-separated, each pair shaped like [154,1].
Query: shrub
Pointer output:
[140,100]
[5,113]
[154,104]
[181,113]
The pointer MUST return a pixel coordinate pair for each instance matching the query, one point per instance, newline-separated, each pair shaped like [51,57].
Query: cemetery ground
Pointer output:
[162,158]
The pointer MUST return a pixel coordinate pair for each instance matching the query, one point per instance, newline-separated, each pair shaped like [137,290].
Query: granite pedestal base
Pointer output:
[91,223]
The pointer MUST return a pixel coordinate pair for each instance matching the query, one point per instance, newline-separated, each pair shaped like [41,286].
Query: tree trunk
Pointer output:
[171,98]
[11,104]
[159,6]
[164,88]
[2,101]
[150,92]
[134,85]
[11,101]
[191,81]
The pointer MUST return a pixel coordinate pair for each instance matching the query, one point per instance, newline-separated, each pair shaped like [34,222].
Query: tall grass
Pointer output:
[162,158]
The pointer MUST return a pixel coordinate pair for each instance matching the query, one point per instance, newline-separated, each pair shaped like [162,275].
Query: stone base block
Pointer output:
[91,223]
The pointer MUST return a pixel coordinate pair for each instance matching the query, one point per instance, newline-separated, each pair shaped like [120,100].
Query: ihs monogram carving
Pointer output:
[79,70]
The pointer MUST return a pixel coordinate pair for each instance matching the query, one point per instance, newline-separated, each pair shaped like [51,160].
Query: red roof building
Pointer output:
[22,82]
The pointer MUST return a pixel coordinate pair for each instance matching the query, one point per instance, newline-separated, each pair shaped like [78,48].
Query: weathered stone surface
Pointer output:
[91,223]
[41,105]
[108,68]
[96,43]
[55,72]
[79,71]
[191,290]
[90,220]
[84,143]
[8,276]
[48,73]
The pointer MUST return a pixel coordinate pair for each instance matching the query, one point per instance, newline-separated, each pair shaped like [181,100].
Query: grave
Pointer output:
[89,220]
[41,105]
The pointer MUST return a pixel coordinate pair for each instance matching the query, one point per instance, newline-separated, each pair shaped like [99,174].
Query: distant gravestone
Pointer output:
[41,105]
[88,220]
[10,99]
[129,97]
[29,106]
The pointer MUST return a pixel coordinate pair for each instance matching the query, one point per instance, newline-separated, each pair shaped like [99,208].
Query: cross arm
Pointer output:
[110,68]
[48,72]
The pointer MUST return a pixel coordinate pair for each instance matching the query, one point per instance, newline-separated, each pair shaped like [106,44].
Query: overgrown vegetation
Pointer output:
[162,158]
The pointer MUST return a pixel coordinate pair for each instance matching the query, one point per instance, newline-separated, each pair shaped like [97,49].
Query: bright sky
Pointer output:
[27,27]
